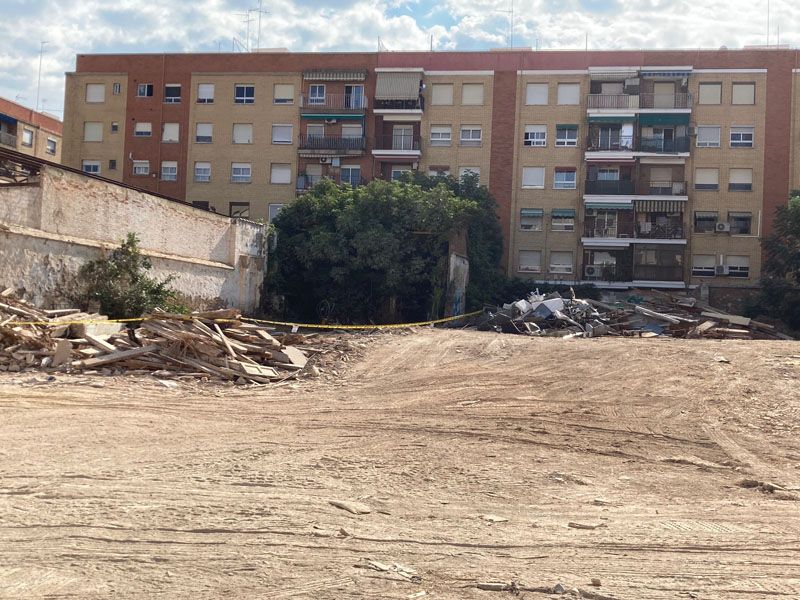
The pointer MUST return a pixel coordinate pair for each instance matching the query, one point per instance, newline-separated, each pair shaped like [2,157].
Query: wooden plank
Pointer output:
[290,355]
[115,356]
[7,292]
[21,312]
[63,353]
[225,341]
[733,319]
[99,343]
[260,370]
[62,312]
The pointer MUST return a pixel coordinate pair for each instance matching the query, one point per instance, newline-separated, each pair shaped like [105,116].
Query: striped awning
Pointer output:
[610,119]
[659,206]
[334,75]
[664,119]
[531,212]
[667,74]
[397,86]
[610,205]
[563,212]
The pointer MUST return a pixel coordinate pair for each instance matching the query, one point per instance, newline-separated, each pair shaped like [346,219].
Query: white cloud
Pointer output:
[86,26]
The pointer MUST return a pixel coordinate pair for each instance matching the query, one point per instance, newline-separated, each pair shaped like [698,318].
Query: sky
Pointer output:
[73,27]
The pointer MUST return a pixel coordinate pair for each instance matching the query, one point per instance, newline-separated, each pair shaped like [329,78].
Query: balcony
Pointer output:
[655,231]
[659,145]
[665,101]
[332,144]
[306,182]
[658,272]
[334,102]
[397,145]
[6,139]
[392,105]
[609,143]
[663,188]
[613,102]
[607,272]
[614,187]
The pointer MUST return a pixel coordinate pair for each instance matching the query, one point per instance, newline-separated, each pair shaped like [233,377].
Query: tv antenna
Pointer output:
[260,11]
[39,77]
[510,14]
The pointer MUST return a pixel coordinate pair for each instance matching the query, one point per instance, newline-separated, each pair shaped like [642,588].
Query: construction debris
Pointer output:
[212,345]
[642,313]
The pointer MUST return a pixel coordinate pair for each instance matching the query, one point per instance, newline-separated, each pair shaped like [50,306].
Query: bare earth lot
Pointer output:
[133,490]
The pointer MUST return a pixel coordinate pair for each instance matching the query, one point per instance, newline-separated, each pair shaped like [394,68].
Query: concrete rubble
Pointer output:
[641,314]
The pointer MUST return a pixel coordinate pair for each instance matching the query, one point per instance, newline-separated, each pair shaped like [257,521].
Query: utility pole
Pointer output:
[39,78]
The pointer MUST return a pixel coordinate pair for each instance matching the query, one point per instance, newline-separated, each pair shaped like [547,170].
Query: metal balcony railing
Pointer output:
[658,272]
[606,273]
[653,231]
[334,102]
[306,182]
[399,104]
[332,142]
[7,139]
[397,142]
[660,145]
[615,187]
[609,143]
[664,188]
[614,101]
[679,100]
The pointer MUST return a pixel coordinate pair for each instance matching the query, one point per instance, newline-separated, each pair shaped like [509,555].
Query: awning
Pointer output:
[660,206]
[610,205]
[603,160]
[339,117]
[608,119]
[664,119]
[397,86]
[566,126]
[531,212]
[563,212]
[334,75]
[665,73]
[7,119]
[610,74]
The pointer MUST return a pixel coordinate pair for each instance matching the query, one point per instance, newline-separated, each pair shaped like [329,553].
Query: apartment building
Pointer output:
[30,132]
[632,168]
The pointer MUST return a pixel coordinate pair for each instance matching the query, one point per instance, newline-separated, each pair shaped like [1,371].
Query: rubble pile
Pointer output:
[641,314]
[214,344]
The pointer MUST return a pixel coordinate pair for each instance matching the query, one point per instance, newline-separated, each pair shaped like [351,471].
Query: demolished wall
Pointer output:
[48,230]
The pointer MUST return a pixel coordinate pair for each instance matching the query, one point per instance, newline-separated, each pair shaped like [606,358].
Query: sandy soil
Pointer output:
[132,490]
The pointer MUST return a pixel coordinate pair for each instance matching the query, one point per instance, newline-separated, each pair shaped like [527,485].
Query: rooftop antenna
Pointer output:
[247,20]
[767,22]
[510,14]
[260,12]
[39,77]
[586,42]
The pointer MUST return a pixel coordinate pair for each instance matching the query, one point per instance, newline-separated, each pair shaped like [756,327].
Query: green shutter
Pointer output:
[664,119]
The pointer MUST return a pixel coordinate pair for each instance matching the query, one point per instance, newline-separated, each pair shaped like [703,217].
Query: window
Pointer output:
[703,265]
[27,137]
[706,179]
[742,137]
[112,165]
[569,93]
[283,93]
[141,167]
[566,135]
[708,136]
[565,179]
[144,90]
[352,132]
[274,209]
[560,262]
[442,93]
[282,134]
[535,135]
[244,93]
[91,166]
[533,177]
[202,172]
[350,175]
[204,133]
[710,93]
[95,93]
[740,222]
[536,94]
[472,93]
[281,173]
[239,210]
[169,170]
[316,94]
[172,93]
[114,127]
[170,132]
[399,171]
[530,219]
[142,129]
[205,93]
[315,130]
[354,96]
[470,135]
[530,261]
[705,221]
[242,133]
[92,132]
[440,135]
[740,180]
[743,93]
[469,171]
[51,146]
[241,172]
[562,219]
[738,266]
[116,89]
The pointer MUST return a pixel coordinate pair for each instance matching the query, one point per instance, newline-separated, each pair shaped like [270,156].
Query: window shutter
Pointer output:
[205,91]
[442,93]
[284,93]
[205,130]
[536,94]
[352,131]
[472,93]
[706,176]
[533,177]
[569,93]
[737,261]
[95,92]
[710,93]
[743,93]
[740,176]
[92,132]
[171,132]
[281,173]
[242,133]
[703,261]
[708,136]
[282,134]
[530,260]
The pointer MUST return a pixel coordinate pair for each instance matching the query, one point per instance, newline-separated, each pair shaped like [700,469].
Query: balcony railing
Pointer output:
[660,145]
[609,143]
[664,188]
[658,272]
[606,273]
[337,143]
[334,102]
[398,104]
[653,231]
[680,100]
[397,142]
[614,101]
[7,139]
[306,182]
[615,187]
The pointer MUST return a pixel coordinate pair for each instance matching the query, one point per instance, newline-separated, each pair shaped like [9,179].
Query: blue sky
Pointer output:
[86,26]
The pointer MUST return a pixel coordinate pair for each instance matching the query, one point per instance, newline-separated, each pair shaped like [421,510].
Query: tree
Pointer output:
[780,282]
[365,254]
[121,285]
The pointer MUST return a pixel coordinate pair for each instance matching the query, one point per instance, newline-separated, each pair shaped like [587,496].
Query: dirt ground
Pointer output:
[474,452]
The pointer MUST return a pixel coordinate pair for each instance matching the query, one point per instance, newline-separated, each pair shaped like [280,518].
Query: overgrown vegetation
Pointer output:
[121,285]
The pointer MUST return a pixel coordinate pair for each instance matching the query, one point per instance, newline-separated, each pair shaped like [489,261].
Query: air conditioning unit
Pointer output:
[722,227]
[721,270]
[330,121]
[593,270]
[324,160]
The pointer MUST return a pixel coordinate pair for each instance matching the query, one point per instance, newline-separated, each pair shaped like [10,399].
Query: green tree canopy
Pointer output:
[780,297]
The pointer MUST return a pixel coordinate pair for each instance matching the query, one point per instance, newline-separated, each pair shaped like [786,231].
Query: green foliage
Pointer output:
[365,254]
[121,285]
